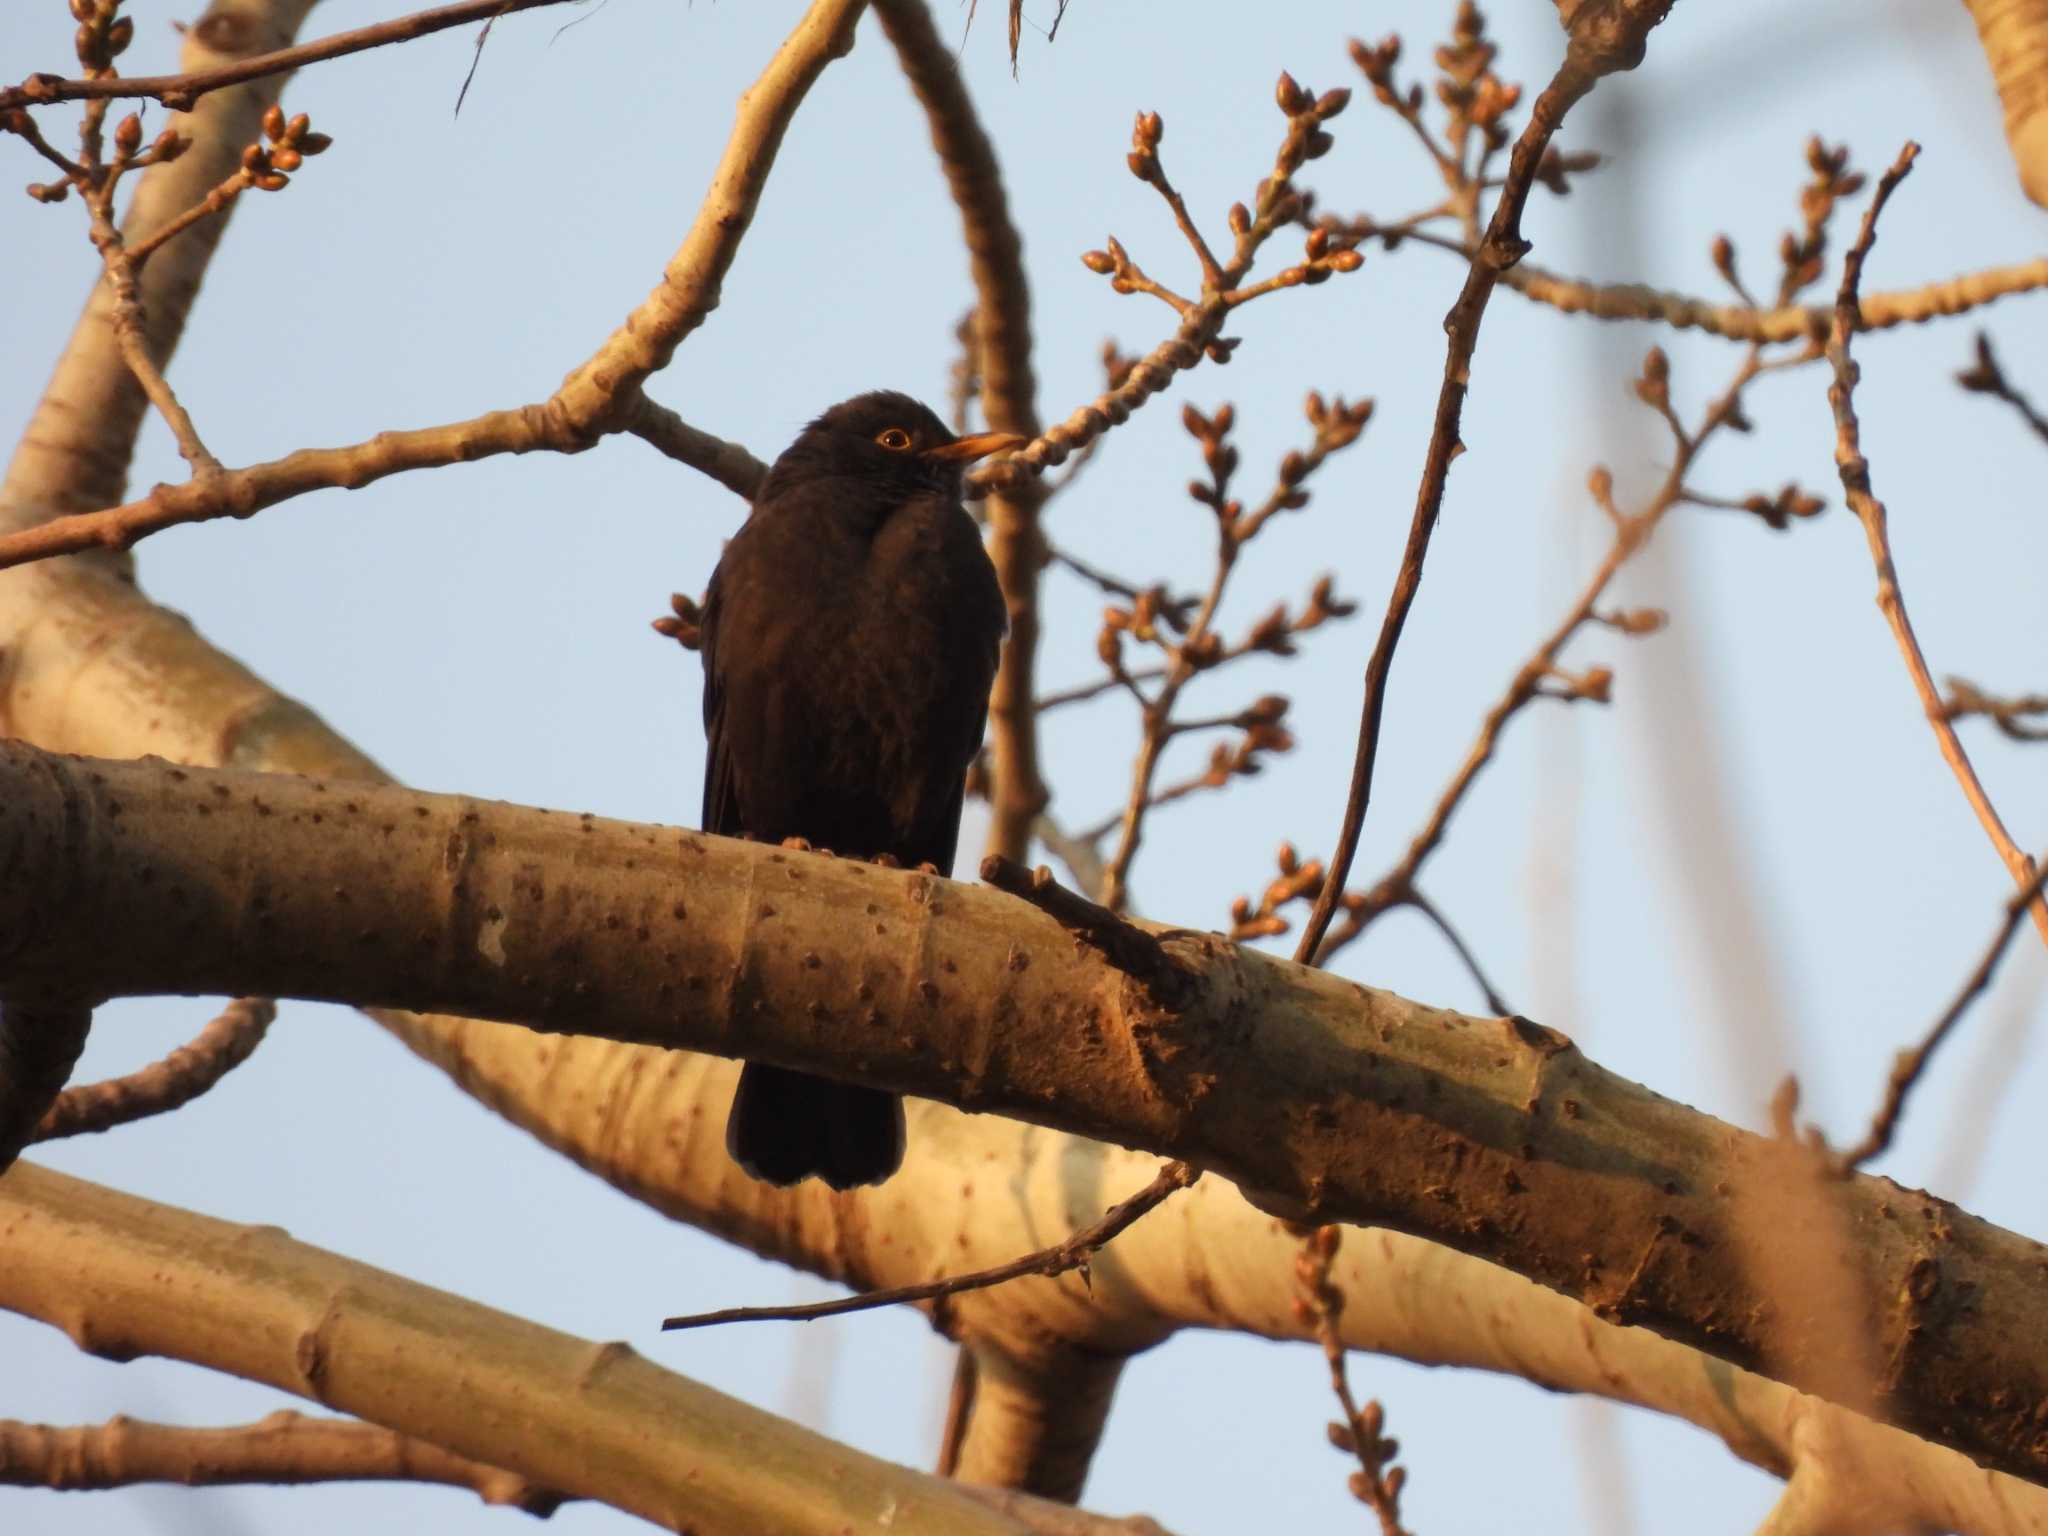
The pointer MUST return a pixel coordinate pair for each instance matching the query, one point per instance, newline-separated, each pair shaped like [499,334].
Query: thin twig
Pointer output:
[1336,426]
[1908,1066]
[1378,1482]
[1074,1253]
[1501,249]
[1965,698]
[1856,486]
[1079,853]
[129,336]
[1985,377]
[165,1085]
[1175,610]
[179,92]
[1427,908]
[1631,533]
[1081,693]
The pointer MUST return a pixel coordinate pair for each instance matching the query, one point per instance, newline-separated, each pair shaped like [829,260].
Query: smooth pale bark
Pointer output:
[126,1277]
[1320,1098]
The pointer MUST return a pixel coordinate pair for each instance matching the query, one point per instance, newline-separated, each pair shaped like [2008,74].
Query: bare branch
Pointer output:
[180,92]
[1735,322]
[162,1086]
[1535,1162]
[1909,1065]
[1501,249]
[282,1448]
[1985,377]
[1856,486]
[1378,1482]
[600,397]
[597,1420]
[1062,1258]
[2011,716]
[728,463]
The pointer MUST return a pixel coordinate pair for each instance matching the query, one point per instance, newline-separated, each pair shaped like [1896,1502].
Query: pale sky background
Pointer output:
[484,629]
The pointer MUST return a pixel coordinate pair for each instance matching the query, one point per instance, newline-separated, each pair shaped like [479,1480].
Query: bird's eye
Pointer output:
[893,438]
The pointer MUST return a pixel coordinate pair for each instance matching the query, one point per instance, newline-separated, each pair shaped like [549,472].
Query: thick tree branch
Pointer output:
[125,1277]
[1492,1135]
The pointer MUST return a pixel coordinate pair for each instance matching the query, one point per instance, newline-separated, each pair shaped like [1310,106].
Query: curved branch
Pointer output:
[162,1086]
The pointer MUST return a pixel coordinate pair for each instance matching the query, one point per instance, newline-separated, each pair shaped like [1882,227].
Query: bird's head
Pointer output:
[885,447]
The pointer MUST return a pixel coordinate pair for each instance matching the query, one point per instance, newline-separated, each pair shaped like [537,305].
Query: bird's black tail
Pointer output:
[786,1126]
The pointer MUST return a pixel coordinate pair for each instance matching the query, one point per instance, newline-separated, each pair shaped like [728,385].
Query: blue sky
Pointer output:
[1753,861]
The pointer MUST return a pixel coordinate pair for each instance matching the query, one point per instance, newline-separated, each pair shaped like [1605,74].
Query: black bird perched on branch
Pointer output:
[850,637]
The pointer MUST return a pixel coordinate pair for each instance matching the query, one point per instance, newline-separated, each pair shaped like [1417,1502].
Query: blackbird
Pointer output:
[850,636]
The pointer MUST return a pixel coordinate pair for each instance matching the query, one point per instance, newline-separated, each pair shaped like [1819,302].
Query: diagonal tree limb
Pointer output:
[125,1277]
[162,1086]
[1495,1136]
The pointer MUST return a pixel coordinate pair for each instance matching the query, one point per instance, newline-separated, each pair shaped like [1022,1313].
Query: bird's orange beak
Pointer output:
[965,450]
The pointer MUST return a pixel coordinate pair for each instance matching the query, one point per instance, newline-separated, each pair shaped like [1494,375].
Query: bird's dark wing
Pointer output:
[721,801]
[979,621]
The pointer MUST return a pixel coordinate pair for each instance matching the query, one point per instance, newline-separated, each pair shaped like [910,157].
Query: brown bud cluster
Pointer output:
[1803,255]
[1780,511]
[684,624]
[103,34]
[1143,159]
[1653,385]
[1558,166]
[1635,621]
[268,167]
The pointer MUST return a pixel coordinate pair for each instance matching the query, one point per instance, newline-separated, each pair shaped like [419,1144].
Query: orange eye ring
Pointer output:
[895,439]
